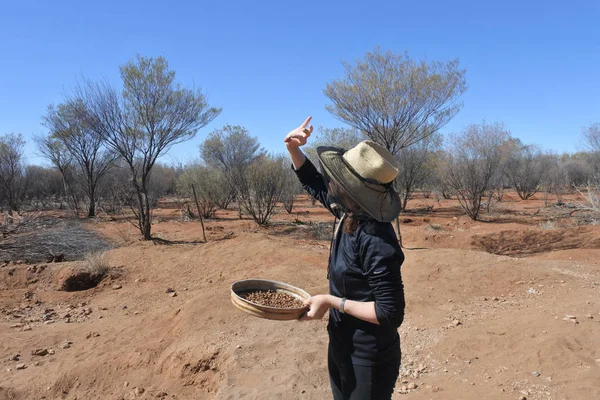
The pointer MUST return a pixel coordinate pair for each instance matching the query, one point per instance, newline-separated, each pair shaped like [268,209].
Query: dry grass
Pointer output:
[97,263]
[547,225]
[433,227]
[127,234]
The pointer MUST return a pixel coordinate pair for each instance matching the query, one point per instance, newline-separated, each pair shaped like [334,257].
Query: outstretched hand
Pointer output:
[298,136]
[317,307]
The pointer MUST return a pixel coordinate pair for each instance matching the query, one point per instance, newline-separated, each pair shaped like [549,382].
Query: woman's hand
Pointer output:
[298,136]
[318,306]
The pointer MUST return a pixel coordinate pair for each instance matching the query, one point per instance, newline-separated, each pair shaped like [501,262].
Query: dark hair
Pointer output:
[354,212]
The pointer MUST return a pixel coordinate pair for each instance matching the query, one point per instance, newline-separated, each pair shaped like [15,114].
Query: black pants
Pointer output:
[357,382]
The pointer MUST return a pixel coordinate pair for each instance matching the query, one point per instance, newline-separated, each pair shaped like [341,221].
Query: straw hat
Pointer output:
[366,172]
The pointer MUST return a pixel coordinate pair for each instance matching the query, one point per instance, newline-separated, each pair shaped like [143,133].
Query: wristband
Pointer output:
[342,305]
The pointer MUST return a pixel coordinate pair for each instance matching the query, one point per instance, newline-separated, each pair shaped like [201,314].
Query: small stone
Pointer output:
[590,316]
[522,398]
[39,352]
[66,345]
[16,357]
[238,346]
[8,369]
[173,294]
[49,322]
[568,316]
[170,290]
[573,320]
[126,384]
[412,386]
[124,308]
[117,287]
[536,374]
[137,280]
[21,366]
[138,391]
[51,351]
[36,364]
[26,328]
[136,313]
[456,322]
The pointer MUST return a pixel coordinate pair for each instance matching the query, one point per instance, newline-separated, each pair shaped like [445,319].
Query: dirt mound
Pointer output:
[522,243]
[75,279]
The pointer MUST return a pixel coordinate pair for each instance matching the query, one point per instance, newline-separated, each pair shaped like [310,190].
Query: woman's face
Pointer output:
[339,196]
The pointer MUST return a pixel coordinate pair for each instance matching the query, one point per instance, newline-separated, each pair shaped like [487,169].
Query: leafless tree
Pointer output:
[592,140]
[152,114]
[525,170]
[395,100]
[68,123]
[292,189]
[474,158]
[12,171]
[260,188]
[55,152]
[416,167]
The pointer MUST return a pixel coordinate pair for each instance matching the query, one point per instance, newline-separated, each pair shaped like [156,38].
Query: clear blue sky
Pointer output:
[535,65]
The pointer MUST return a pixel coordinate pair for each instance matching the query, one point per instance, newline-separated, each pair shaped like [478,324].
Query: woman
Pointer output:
[366,295]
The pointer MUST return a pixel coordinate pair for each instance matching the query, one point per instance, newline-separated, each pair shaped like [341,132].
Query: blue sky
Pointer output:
[533,65]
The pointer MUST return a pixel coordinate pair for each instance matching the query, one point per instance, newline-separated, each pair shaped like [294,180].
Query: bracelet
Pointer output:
[342,305]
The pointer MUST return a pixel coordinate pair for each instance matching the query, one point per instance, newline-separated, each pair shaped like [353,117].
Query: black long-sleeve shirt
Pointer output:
[364,266]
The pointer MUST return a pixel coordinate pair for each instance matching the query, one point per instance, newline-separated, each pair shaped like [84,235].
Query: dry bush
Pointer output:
[474,162]
[260,188]
[126,234]
[433,227]
[547,225]
[97,263]
[210,185]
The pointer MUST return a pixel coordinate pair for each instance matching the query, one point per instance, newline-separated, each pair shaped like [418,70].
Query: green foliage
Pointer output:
[230,149]
[397,101]
[152,113]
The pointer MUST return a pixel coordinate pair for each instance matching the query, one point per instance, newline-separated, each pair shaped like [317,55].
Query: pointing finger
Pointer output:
[305,124]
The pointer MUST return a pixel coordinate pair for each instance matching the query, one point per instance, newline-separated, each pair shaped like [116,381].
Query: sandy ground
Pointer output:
[503,309]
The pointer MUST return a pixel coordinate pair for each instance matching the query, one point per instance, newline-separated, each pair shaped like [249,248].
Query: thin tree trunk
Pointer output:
[92,205]
[199,212]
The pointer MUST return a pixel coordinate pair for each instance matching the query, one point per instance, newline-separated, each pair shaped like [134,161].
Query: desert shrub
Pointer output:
[292,187]
[433,227]
[547,225]
[525,170]
[97,263]
[210,186]
[474,162]
[260,188]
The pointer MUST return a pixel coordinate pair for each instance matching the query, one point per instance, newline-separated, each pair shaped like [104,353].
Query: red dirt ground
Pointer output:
[486,309]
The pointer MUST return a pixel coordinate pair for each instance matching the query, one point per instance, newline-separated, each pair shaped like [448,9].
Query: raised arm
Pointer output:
[311,180]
